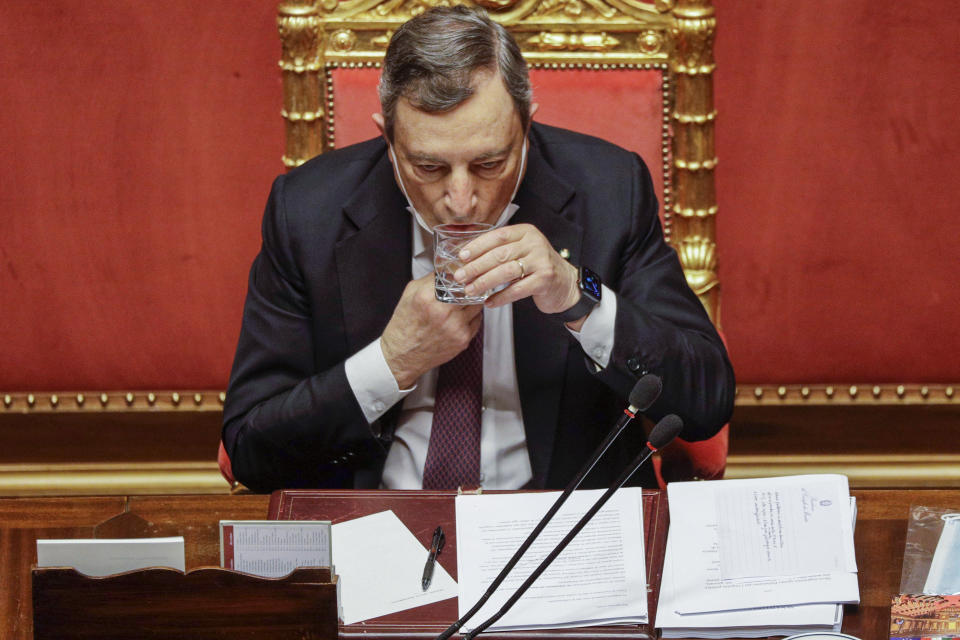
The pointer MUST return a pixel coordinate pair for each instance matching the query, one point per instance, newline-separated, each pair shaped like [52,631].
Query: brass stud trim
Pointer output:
[780,394]
[857,394]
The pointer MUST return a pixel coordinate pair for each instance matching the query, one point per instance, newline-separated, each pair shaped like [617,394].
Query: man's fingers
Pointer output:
[502,274]
[484,243]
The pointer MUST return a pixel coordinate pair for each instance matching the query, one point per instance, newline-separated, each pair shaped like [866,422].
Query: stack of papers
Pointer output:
[104,557]
[758,557]
[599,579]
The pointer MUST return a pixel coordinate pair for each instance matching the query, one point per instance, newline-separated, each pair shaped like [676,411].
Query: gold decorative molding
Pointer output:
[553,41]
[694,158]
[106,478]
[298,23]
[846,394]
[900,471]
[111,401]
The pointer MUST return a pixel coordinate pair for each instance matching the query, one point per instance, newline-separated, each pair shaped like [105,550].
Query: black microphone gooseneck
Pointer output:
[644,393]
[661,435]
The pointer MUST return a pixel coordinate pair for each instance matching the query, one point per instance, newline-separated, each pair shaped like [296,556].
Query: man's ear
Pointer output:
[381,124]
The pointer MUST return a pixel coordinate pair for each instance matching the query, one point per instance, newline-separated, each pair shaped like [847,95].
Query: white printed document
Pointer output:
[600,578]
[274,548]
[695,535]
[104,557]
[380,566]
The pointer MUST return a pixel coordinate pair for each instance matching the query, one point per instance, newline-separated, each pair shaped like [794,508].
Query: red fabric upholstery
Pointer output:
[704,460]
[225,467]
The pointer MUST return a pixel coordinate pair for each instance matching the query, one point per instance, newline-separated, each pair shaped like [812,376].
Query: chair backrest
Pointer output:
[637,73]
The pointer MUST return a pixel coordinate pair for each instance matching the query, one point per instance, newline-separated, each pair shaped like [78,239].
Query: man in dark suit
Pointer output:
[343,341]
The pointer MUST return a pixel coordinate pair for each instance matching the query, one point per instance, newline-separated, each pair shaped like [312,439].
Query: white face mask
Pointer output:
[507,213]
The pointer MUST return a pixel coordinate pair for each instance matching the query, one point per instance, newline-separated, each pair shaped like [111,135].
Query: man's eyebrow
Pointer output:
[493,154]
[413,156]
[427,158]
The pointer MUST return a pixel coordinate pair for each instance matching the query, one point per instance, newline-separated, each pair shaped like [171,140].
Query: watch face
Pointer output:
[590,283]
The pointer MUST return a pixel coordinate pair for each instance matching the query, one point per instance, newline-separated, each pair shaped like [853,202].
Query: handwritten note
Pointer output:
[775,529]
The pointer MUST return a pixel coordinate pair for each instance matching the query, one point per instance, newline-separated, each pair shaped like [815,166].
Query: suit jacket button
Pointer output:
[633,364]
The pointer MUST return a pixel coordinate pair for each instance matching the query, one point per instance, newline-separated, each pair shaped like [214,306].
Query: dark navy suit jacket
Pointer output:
[336,256]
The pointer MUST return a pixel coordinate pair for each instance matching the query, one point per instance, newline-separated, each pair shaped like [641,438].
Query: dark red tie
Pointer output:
[453,456]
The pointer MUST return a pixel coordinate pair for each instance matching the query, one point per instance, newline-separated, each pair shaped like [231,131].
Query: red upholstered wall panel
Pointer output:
[839,188]
[139,140]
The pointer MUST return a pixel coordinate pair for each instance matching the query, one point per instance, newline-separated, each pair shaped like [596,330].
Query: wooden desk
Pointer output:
[880,535]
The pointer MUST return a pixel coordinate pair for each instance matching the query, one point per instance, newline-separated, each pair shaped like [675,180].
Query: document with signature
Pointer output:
[738,544]
[600,578]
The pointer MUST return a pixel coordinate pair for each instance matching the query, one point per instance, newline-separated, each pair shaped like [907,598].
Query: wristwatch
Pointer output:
[590,292]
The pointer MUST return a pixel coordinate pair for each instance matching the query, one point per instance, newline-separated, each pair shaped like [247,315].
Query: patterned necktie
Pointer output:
[453,456]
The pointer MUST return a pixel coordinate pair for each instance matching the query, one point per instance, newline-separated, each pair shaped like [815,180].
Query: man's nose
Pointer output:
[460,196]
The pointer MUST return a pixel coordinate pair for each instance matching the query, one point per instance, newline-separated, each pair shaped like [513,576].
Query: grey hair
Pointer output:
[431,60]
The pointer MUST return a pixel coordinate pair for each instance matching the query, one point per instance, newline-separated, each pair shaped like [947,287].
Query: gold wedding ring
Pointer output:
[522,272]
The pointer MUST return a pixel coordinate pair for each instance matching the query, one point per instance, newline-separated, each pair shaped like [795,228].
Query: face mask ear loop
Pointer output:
[410,207]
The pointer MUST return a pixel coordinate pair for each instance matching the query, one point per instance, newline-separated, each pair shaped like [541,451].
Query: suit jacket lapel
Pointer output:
[373,262]
[541,343]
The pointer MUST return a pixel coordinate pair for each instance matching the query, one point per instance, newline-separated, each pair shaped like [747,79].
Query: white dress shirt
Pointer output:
[504,460]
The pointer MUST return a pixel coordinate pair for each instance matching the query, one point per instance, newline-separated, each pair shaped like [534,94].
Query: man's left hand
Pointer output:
[522,258]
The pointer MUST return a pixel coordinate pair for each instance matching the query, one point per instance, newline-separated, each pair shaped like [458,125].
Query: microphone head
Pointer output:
[645,392]
[665,431]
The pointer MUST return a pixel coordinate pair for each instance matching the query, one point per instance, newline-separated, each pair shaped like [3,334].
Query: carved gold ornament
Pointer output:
[650,42]
[546,41]
[496,5]
[343,40]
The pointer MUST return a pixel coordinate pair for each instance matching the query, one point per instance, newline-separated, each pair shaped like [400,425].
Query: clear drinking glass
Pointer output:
[448,239]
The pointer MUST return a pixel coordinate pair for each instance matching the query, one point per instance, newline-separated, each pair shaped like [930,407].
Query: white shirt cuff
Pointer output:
[372,382]
[596,334]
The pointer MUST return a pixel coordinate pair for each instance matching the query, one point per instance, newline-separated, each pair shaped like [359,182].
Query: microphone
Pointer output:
[662,434]
[644,393]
